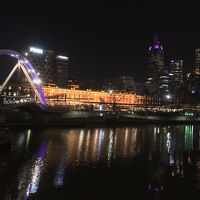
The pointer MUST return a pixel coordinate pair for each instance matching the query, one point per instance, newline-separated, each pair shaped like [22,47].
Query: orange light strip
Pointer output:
[90,96]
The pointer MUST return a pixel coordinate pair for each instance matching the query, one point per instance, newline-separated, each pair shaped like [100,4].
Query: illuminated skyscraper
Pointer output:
[176,75]
[157,75]
[51,69]
[197,60]
[43,62]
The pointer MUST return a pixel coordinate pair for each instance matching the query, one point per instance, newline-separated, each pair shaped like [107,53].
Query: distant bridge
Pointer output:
[28,70]
[54,96]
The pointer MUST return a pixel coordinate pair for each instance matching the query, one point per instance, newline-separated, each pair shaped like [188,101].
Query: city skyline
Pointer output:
[103,39]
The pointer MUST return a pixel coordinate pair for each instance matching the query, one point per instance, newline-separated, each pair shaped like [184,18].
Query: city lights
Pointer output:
[62,57]
[99,100]
[110,91]
[37,81]
[36,50]
[82,96]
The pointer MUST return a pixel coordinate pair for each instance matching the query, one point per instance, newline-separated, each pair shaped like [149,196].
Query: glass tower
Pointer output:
[157,75]
[176,75]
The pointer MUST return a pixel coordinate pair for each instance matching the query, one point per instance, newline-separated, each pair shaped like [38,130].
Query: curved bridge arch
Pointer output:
[28,70]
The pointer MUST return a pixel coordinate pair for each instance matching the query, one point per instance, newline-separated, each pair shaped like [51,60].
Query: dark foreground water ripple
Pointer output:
[149,162]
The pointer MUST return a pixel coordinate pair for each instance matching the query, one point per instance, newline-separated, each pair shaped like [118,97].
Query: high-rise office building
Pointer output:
[197,60]
[61,71]
[51,69]
[176,75]
[43,62]
[193,83]
[158,79]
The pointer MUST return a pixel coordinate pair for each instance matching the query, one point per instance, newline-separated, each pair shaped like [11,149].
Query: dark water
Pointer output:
[141,162]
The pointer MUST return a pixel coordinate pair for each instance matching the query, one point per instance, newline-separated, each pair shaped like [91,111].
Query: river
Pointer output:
[138,162]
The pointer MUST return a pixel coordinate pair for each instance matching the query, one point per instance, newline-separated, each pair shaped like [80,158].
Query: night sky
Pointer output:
[102,38]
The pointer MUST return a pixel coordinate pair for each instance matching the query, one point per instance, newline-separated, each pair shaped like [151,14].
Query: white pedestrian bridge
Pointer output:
[29,71]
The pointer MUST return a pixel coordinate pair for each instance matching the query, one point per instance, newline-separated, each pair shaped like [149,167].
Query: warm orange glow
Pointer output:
[73,96]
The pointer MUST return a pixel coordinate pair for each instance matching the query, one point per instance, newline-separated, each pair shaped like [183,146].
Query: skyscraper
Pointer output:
[51,69]
[157,75]
[197,60]
[176,75]
[61,71]
[43,62]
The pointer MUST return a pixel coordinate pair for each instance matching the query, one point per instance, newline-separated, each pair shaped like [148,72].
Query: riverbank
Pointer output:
[88,118]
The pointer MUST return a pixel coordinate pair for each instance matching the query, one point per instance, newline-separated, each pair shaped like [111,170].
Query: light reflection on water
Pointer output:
[60,150]
[30,177]
[59,177]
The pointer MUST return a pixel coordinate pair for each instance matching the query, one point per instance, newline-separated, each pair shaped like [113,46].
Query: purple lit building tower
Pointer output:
[157,74]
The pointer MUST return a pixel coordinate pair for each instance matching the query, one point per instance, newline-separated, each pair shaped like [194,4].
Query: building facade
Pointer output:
[120,83]
[61,71]
[52,69]
[197,60]
[43,62]
[157,75]
[73,83]
[176,75]
[124,83]
[193,83]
